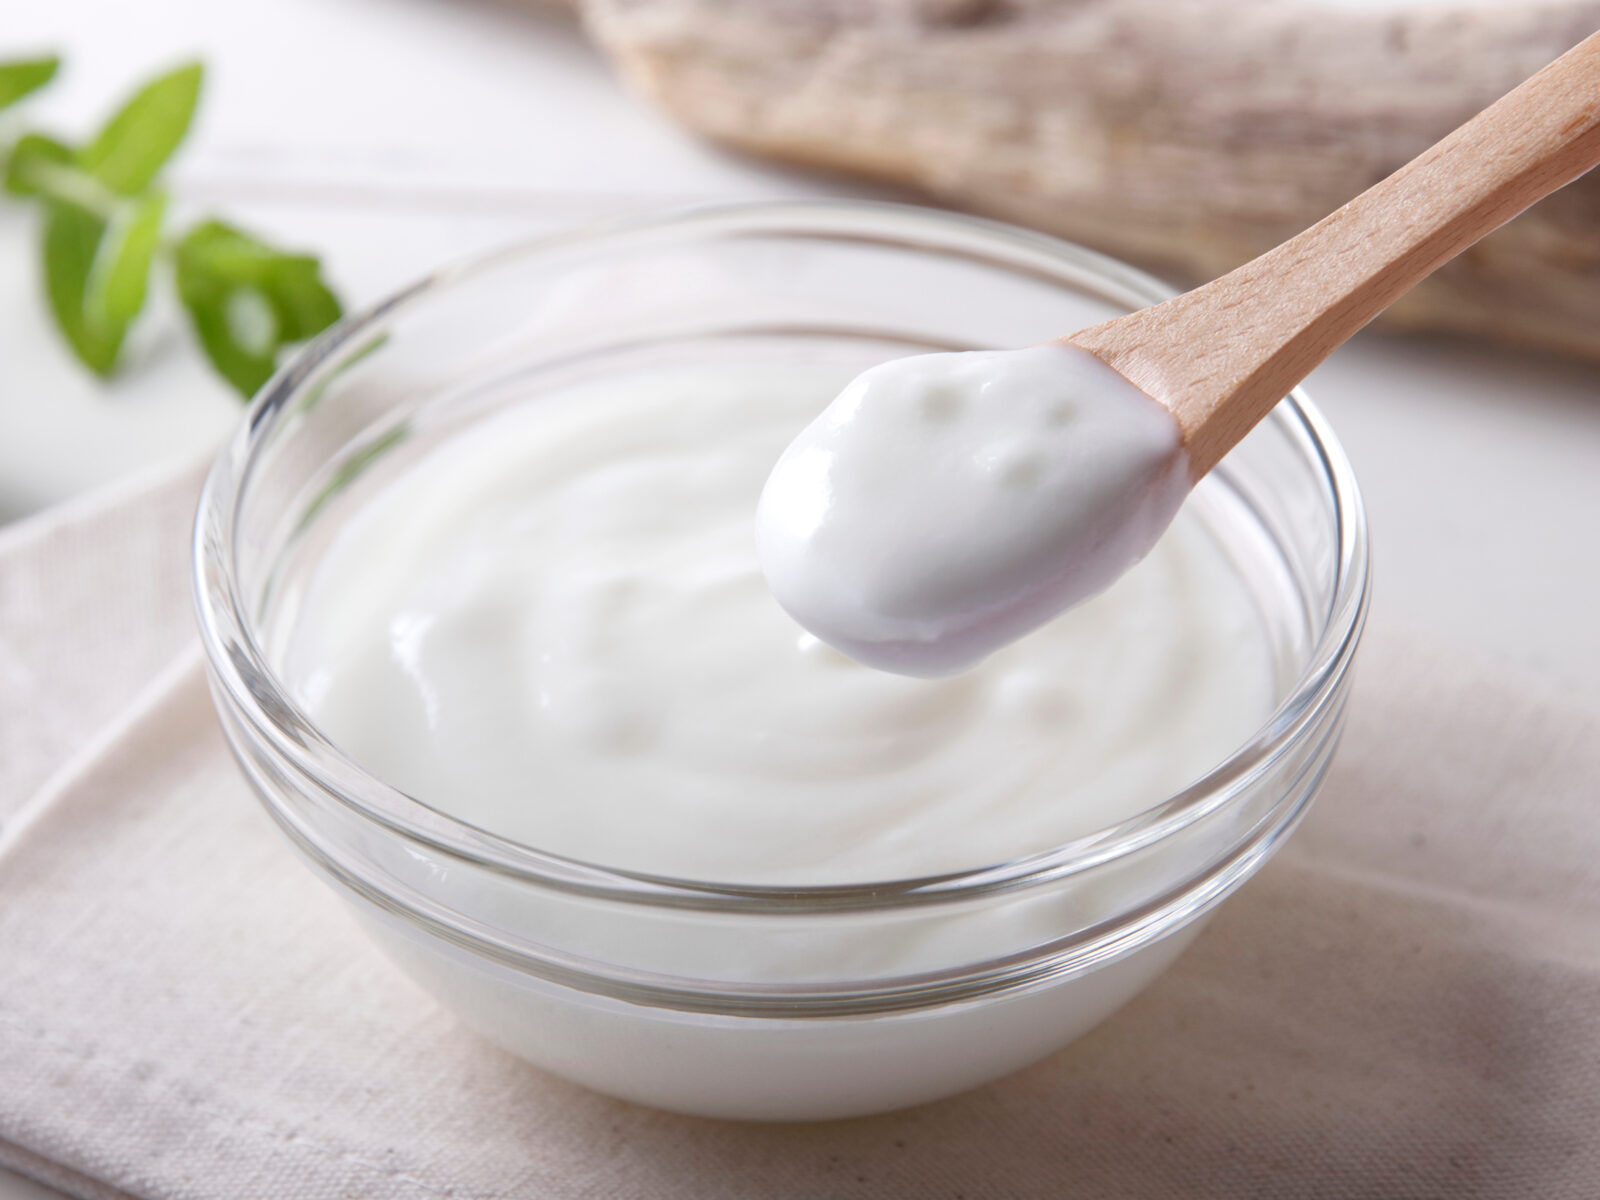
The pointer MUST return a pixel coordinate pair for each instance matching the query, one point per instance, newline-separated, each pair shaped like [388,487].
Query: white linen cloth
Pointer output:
[1405,1003]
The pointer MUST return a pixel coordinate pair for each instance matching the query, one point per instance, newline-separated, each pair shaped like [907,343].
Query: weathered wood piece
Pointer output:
[1221,356]
[1189,135]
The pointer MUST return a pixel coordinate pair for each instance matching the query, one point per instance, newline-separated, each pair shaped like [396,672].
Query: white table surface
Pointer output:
[391,135]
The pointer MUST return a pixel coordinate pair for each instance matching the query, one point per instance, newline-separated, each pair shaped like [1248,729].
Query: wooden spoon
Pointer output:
[1220,357]
[873,542]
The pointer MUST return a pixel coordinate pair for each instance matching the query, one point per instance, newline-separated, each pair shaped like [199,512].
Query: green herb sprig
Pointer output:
[103,230]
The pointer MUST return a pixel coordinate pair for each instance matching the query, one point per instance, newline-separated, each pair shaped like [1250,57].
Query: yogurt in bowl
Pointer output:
[488,632]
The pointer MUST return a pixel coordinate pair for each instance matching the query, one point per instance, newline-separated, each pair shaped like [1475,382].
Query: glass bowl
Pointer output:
[711,998]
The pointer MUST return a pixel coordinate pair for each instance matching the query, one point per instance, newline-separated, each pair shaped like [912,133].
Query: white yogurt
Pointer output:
[946,504]
[556,627]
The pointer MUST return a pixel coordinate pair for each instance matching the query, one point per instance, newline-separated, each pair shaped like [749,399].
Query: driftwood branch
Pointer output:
[1185,134]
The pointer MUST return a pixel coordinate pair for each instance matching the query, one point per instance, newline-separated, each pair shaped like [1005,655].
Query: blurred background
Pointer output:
[390,136]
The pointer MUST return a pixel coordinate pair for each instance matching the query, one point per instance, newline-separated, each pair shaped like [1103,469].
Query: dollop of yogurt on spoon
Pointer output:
[943,505]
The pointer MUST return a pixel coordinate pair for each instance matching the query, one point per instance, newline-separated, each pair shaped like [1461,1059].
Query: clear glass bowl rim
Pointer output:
[255,695]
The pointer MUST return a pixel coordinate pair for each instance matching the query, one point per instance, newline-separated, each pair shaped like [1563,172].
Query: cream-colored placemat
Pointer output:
[94,600]
[1406,1003]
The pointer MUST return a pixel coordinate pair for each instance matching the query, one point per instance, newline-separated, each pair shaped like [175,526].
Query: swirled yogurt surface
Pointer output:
[946,504]
[555,626]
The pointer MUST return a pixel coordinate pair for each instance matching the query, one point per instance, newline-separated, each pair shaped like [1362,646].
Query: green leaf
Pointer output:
[72,240]
[206,298]
[120,275]
[33,158]
[128,152]
[21,76]
[248,300]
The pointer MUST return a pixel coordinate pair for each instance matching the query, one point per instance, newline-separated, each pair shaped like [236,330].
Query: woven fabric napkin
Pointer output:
[1405,1003]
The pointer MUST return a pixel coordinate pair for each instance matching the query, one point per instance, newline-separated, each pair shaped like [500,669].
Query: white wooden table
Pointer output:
[394,134]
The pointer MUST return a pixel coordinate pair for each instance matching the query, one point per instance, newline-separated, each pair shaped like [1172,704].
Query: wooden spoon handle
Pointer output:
[1222,355]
